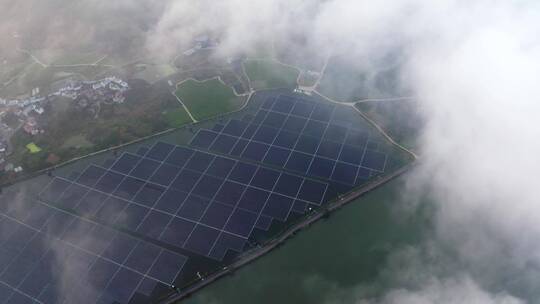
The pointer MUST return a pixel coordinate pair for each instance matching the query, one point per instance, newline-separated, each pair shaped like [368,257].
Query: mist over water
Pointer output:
[473,66]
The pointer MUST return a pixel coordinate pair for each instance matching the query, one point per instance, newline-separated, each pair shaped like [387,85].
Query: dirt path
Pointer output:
[185,108]
[313,88]
[387,99]
[45,65]
[36,60]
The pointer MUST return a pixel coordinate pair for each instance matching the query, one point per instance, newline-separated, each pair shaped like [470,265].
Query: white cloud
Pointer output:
[452,291]
[474,66]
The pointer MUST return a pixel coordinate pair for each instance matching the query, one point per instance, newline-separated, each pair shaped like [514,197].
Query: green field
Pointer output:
[270,75]
[207,99]
[33,148]
[176,117]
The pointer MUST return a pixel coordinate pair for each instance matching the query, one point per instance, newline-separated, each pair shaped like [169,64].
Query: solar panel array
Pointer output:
[198,201]
[147,213]
[317,139]
[50,256]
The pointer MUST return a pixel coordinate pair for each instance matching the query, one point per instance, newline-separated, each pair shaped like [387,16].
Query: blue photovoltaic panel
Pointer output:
[288,184]
[299,162]
[253,199]
[268,103]
[144,169]
[185,180]
[171,201]
[315,129]
[243,172]
[265,178]
[307,144]
[202,239]
[230,193]
[235,127]
[90,203]
[295,124]
[142,151]
[72,195]
[286,139]
[274,120]
[299,207]
[321,167]
[241,222]
[223,144]
[204,139]
[179,156]
[374,160]
[239,147]
[226,242]
[218,127]
[160,151]
[154,223]
[221,167]
[199,161]
[263,222]
[344,173]
[165,174]
[149,194]
[284,104]
[278,207]
[128,188]
[255,151]
[207,186]
[193,208]
[109,181]
[216,215]
[126,163]
[177,232]
[329,149]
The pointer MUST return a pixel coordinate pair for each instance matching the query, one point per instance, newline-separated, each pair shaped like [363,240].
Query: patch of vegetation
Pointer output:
[71,131]
[77,141]
[153,72]
[11,120]
[265,74]
[176,117]
[207,99]
[21,154]
[33,148]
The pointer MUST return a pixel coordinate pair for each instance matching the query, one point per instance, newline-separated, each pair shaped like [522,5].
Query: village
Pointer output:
[24,111]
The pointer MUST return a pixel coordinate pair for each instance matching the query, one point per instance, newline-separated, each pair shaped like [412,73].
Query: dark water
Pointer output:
[328,262]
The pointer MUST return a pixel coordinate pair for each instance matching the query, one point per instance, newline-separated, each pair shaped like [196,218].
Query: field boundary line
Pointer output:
[185,108]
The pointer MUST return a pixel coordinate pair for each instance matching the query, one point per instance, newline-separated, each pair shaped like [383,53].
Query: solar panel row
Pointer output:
[330,149]
[50,256]
[187,198]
